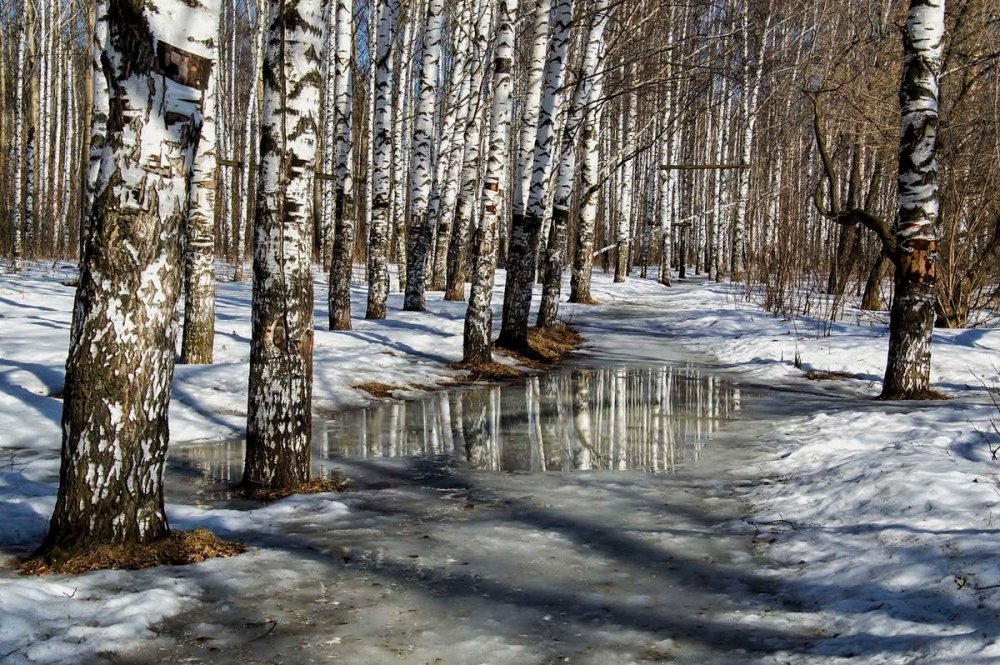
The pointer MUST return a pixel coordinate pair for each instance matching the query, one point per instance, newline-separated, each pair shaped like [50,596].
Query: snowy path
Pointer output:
[435,563]
[819,527]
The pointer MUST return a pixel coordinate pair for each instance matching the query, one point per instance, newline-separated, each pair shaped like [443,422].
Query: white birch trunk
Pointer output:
[279,414]
[468,177]
[344,211]
[588,86]
[381,177]
[525,228]
[907,374]
[199,247]
[20,112]
[422,176]
[122,341]
[532,104]
[477,349]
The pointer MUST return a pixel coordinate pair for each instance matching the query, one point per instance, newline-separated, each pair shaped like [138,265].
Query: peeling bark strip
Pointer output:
[907,373]
[476,345]
[121,358]
[280,392]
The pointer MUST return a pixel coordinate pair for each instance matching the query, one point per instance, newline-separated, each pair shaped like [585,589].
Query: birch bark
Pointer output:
[420,232]
[476,346]
[378,245]
[344,212]
[279,413]
[199,234]
[911,320]
[589,79]
[121,357]
[525,228]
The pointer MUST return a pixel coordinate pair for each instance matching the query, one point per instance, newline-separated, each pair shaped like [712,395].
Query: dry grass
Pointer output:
[930,395]
[176,549]
[376,389]
[492,371]
[818,375]
[311,486]
[546,346]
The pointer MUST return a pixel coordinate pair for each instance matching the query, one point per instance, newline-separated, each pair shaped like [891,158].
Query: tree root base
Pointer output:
[178,548]
[311,486]
[929,394]
[546,346]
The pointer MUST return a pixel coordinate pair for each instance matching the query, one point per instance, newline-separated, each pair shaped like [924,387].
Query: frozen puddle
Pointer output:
[575,517]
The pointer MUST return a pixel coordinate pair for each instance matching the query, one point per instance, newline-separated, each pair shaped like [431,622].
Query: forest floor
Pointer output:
[820,525]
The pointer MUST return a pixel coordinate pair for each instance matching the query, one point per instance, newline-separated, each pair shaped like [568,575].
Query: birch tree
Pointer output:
[419,231]
[19,133]
[476,340]
[199,236]
[525,228]
[588,80]
[907,374]
[122,341]
[279,413]
[624,244]
[378,244]
[344,213]
[469,175]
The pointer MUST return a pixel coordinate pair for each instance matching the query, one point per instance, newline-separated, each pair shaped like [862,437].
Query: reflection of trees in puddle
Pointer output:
[647,419]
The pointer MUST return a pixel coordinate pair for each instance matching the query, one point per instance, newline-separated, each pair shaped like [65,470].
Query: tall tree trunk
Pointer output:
[468,180]
[420,232]
[344,210]
[401,133]
[911,321]
[627,183]
[378,245]
[199,246]
[251,141]
[20,111]
[461,103]
[476,346]
[121,357]
[279,412]
[588,87]
[525,228]
[583,257]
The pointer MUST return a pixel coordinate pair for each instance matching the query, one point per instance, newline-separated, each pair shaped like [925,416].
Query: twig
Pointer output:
[984,588]
[274,625]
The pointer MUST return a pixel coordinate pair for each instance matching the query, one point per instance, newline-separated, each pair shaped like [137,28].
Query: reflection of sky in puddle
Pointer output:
[651,419]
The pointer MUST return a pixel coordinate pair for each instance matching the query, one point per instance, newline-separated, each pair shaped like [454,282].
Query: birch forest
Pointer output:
[812,154]
[719,138]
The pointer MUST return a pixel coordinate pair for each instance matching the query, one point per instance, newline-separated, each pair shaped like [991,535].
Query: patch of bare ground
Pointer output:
[930,395]
[311,486]
[546,346]
[176,549]
[819,375]
[376,389]
[491,372]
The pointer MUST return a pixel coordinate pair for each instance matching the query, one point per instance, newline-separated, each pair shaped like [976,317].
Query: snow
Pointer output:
[823,526]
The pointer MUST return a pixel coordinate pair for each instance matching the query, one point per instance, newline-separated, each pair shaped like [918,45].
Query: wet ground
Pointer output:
[585,516]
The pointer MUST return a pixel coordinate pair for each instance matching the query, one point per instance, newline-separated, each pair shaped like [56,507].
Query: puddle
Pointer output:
[653,419]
